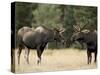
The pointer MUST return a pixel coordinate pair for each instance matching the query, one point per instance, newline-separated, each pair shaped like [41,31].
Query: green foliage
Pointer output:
[69,21]
[47,15]
[23,14]
[77,45]
[86,16]
[50,15]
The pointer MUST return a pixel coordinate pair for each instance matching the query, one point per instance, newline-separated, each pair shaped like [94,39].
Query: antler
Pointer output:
[76,28]
[79,28]
[83,27]
[61,29]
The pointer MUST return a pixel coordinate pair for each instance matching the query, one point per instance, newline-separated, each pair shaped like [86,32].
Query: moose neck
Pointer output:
[50,36]
[84,38]
[90,37]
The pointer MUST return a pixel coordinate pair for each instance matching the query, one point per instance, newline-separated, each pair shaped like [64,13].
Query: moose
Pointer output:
[89,37]
[37,39]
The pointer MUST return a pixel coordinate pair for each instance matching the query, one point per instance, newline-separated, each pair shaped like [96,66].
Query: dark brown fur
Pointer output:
[90,39]
[37,39]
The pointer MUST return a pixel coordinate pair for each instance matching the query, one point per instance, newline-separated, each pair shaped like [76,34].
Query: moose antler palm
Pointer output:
[80,27]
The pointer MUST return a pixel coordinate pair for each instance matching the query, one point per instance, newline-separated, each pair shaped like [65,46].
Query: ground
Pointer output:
[54,60]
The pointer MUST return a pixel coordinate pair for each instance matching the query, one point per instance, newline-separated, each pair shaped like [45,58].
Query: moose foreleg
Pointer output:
[89,57]
[40,51]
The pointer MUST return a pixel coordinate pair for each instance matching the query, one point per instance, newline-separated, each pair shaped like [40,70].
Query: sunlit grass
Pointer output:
[55,60]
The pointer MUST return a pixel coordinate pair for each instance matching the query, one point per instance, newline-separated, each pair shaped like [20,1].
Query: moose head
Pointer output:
[78,34]
[58,34]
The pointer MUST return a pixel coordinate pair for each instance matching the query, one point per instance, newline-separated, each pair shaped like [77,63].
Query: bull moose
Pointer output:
[89,37]
[37,39]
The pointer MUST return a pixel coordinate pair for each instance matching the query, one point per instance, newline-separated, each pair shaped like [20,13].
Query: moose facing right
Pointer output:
[89,37]
[37,38]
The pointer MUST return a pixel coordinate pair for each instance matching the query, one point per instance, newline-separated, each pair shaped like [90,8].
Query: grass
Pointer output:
[54,60]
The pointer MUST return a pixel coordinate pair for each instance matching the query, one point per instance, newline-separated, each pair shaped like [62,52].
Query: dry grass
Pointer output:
[54,60]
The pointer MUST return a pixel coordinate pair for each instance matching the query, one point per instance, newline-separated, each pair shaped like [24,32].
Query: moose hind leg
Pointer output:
[19,53]
[27,51]
[95,57]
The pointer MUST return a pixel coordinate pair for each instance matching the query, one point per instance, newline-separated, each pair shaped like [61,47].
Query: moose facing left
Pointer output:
[89,37]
